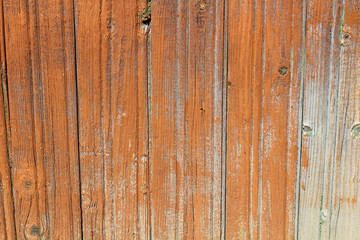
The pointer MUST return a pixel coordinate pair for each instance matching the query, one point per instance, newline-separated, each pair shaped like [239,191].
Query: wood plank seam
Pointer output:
[224,116]
[77,117]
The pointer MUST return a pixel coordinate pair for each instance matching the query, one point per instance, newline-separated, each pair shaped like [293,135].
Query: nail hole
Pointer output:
[307,131]
[355,130]
[229,84]
[347,36]
[283,70]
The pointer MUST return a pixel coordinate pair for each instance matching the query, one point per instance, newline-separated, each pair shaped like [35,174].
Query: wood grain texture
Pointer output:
[7,224]
[319,117]
[264,83]
[342,216]
[113,120]
[186,119]
[43,120]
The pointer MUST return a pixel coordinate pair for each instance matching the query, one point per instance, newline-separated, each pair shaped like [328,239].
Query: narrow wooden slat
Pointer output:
[167,120]
[186,119]
[264,82]
[112,89]
[319,117]
[143,71]
[92,35]
[7,224]
[43,118]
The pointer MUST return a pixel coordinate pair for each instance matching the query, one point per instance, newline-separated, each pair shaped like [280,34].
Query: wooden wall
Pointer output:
[186,119]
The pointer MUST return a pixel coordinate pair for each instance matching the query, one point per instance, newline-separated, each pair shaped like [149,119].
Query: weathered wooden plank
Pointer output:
[186,119]
[264,80]
[319,116]
[244,90]
[43,120]
[342,216]
[7,224]
[112,90]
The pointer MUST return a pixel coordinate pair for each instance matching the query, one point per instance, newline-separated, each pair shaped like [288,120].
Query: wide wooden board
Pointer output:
[264,87]
[186,120]
[40,59]
[112,99]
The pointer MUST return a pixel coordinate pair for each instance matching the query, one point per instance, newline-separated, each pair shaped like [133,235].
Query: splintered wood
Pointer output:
[187,119]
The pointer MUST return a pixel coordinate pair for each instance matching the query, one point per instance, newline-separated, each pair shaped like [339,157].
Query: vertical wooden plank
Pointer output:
[43,118]
[7,224]
[319,117]
[92,55]
[264,82]
[112,88]
[30,209]
[245,62]
[186,119]
[343,208]
[58,114]
[167,120]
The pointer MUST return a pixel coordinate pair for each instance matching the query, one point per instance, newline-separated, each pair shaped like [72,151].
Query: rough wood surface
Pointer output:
[342,216]
[42,111]
[264,80]
[112,90]
[320,102]
[186,119]
[330,164]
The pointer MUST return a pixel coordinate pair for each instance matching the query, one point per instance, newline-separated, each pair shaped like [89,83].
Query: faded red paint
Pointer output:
[179,119]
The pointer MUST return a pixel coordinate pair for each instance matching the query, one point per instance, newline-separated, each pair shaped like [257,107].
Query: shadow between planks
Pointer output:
[214,119]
